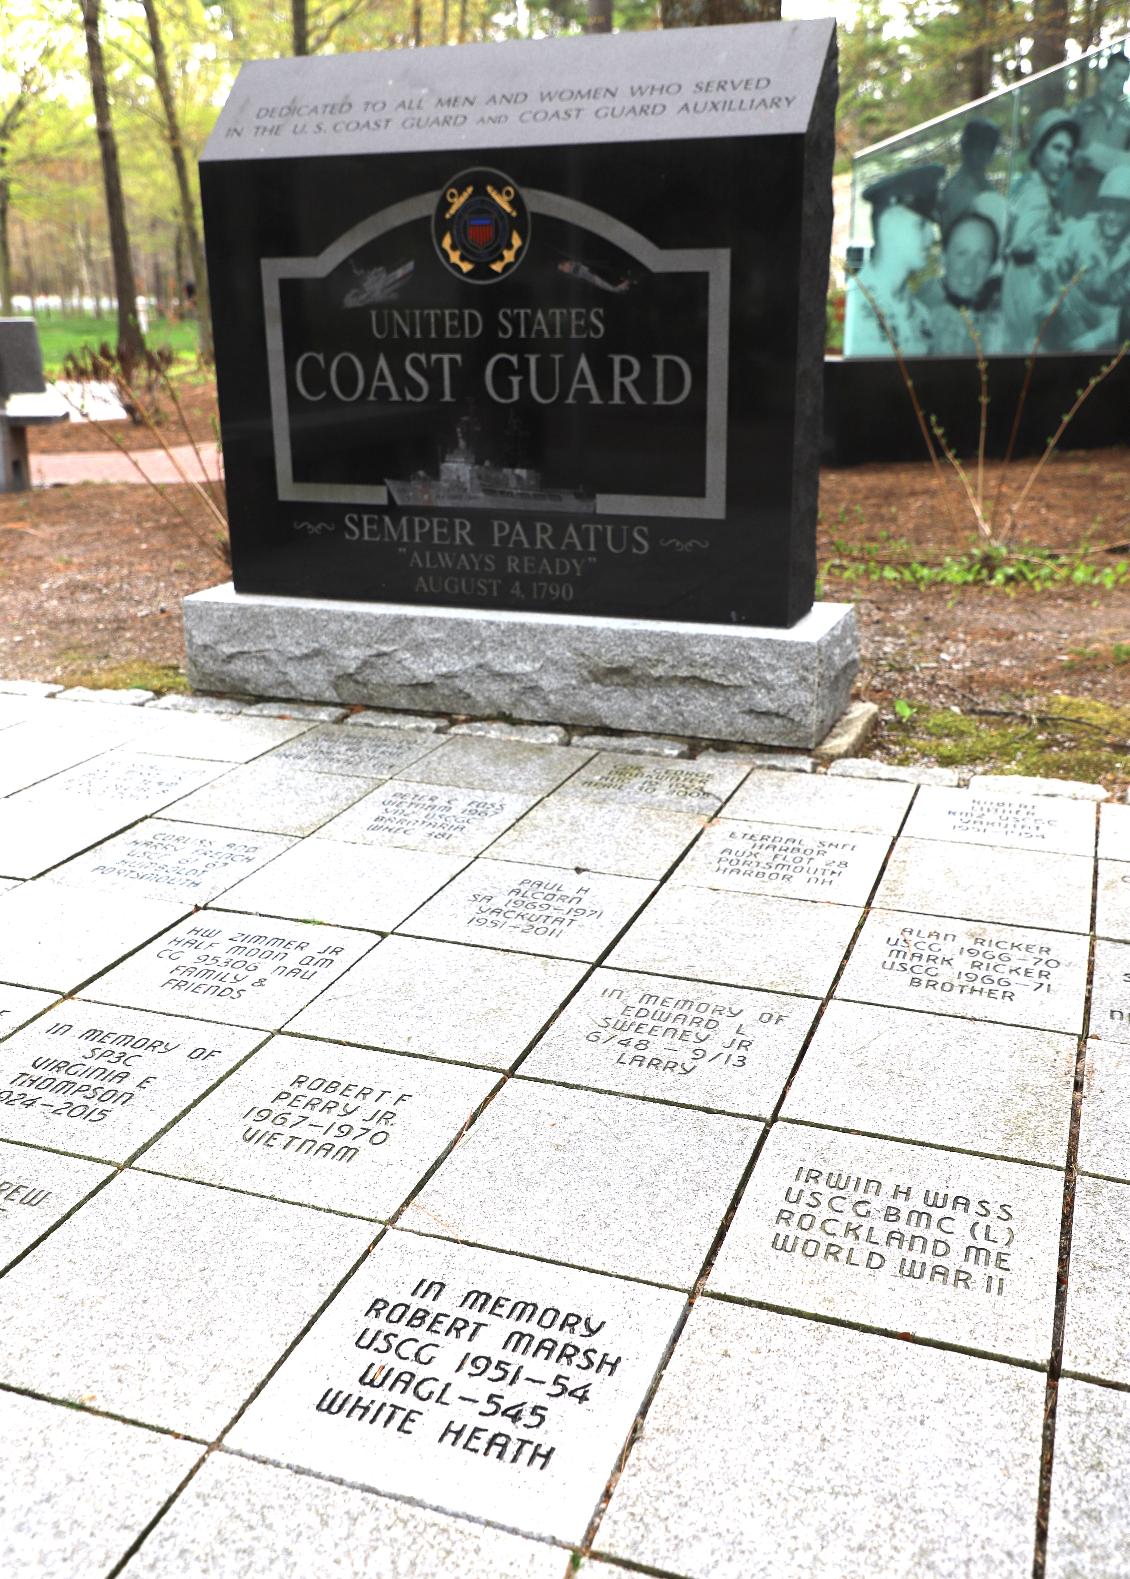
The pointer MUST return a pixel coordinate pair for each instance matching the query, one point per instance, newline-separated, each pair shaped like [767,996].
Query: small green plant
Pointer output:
[1038,568]
[904,710]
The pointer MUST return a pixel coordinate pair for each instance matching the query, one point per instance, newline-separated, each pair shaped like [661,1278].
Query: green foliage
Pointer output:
[1037,568]
[1063,737]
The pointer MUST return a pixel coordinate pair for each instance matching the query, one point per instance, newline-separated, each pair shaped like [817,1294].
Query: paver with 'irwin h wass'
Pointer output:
[913,1239]
[981,970]
[689,1042]
[340,1127]
[100,1081]
[36,1189]
[442,1000]
[531,909]
[240,970]
[485,1384]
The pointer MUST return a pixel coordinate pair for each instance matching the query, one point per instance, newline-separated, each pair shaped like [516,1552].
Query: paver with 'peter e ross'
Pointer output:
[340,1127]
[689,1042]
[241,970]
[981,970]
[485,1384]
[441,818]
[871,1457]
[913,1239]
[100,1081]
[36,1189]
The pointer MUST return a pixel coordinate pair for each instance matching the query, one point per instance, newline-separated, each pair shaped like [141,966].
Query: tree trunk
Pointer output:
[5,248]
[417,23]
[599,16]
[184,187]
[445,19]
[300,38]
[131,345]
[1049,36]
[462,21]
[714,13]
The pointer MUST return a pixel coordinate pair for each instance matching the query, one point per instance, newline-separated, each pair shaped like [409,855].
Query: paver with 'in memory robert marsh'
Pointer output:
[978,969]
[486,1384]
[939,1244]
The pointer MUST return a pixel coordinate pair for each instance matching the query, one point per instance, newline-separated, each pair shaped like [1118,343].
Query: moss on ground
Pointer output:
[1066,737]
[119,676]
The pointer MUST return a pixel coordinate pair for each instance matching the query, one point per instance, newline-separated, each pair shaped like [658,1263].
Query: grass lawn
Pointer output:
[58,335]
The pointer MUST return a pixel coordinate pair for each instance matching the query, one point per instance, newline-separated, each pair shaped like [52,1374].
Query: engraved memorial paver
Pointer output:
[681,1041]
[566,830]
[943,878]
[347,884]
[239,970]
[940,1080]
[271,798]
[1090,1483]
[698,787]
[487,1384]
[1110,992]
[911,1239]
[1013,822]
[324,1125]
[35,838]
[262,1522]
[20,1004]
[981,970]
[448,821]
[599,1181]
[188,1297]
[775,858]
[172,861]
[101,1081]
[35,750]
[125,779]
[1112,918]
[509,767]
[122,1471]
[1104,1127]
[925,1432]
[357,754]
[56,937]
[850,805]
[531,909]
[747,940]
[36,1189]
[1096,1339]
[442,1000]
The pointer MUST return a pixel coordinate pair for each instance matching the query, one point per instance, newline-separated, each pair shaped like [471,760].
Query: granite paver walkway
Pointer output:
[434,1155]
[153,465]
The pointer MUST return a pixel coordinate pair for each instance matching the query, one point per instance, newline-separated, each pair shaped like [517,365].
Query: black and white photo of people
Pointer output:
[960,260]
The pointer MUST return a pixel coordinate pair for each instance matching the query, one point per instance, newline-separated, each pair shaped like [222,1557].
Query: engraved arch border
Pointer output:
[714,262]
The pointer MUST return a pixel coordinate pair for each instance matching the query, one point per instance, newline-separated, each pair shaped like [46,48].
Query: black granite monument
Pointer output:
[529,326]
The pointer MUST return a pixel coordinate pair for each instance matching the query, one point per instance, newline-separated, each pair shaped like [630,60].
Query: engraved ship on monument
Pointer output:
[479,485]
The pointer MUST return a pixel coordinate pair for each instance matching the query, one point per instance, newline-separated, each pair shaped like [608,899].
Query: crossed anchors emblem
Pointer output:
[481,226]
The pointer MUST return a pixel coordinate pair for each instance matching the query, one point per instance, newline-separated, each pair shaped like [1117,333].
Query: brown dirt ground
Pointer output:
[91,578]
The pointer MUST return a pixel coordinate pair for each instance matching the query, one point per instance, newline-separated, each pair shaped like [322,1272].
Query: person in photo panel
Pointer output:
[903,223]
[964,302]
[1096,248]
[979,140]
[1104,137]
[1031,273]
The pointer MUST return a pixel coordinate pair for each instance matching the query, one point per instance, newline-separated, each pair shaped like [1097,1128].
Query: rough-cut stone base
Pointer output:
[716,682]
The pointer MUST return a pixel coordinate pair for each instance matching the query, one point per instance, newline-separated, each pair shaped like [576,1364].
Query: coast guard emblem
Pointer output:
[481,226]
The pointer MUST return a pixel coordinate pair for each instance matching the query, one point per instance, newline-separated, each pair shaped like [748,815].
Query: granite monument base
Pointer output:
[716,682]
